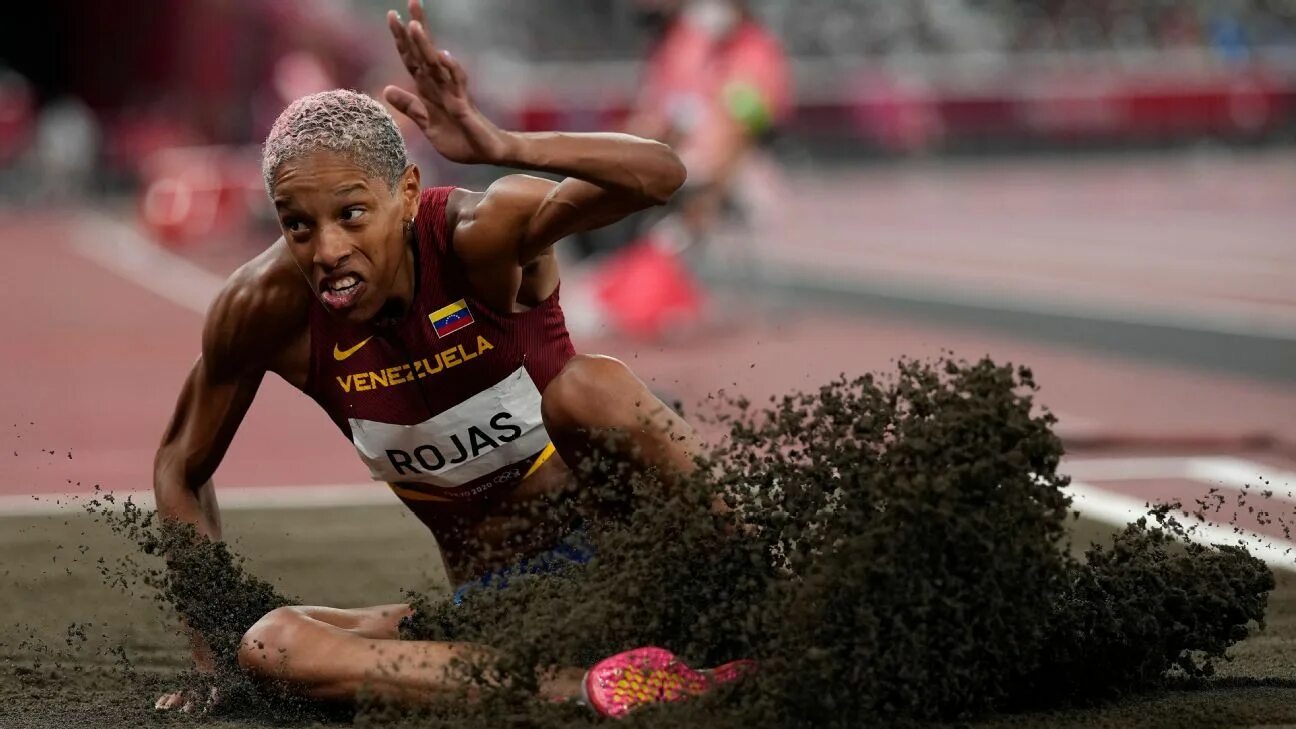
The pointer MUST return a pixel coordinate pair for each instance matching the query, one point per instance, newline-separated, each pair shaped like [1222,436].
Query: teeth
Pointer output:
[345,282]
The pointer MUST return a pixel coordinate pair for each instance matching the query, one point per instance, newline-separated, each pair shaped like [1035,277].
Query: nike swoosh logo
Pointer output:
[341,354]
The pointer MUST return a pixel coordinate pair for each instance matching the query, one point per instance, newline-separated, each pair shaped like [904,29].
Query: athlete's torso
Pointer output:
[445,404]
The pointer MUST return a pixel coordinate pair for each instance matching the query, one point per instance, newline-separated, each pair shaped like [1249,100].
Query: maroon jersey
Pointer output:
[445,405]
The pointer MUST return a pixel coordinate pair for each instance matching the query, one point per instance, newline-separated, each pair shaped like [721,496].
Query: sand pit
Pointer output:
[904,559]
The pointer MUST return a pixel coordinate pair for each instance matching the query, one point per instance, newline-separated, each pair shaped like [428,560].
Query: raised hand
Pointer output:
[441,106]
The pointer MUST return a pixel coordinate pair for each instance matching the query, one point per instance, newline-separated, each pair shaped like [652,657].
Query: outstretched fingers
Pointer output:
[407,104]
[423,45]
[419,24]
[403,45]
[441,84]
[416,11]
[457,76]
[416,49]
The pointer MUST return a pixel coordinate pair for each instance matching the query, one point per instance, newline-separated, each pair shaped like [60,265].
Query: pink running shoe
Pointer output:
[626,681]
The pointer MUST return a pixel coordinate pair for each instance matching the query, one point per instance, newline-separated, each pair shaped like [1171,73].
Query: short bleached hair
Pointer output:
[346,122]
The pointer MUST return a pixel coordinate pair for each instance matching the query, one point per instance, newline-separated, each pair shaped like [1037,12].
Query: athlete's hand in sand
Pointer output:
[441,107]
[188,701]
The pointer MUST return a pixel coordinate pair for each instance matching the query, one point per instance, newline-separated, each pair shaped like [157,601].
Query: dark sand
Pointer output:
[903,563]
[368,555]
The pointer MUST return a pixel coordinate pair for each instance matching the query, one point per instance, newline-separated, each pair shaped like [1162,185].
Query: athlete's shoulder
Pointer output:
[517,194]
[263,307]
[489,222]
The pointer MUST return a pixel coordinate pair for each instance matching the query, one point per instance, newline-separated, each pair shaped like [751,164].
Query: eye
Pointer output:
[352,214]
[294,226]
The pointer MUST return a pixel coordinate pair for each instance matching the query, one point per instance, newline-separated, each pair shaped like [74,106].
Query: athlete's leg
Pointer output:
[595,397]
[380,621]
[332,654]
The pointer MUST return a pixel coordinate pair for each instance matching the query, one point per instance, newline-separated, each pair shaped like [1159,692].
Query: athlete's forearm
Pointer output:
[177,501]
[615,161]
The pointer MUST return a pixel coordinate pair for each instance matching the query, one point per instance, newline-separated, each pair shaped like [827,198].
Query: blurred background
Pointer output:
[96,96]
[1104,190]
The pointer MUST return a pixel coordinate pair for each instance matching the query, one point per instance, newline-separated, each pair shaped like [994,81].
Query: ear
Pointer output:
[409,188]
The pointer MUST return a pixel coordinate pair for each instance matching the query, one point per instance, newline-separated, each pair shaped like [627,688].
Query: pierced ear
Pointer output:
[411,189]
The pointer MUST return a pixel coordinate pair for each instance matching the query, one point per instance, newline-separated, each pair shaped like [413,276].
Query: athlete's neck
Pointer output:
[405,289]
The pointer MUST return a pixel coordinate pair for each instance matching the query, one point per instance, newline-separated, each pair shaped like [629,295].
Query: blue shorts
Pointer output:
[573,549]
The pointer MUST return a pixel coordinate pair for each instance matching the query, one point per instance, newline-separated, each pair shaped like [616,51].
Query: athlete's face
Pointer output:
[347,231]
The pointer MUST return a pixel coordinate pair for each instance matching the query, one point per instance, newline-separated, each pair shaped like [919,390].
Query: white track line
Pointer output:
[1116,509]
[230,499]
[124,251]
[1126,469]
[1094,502]
[1236,474]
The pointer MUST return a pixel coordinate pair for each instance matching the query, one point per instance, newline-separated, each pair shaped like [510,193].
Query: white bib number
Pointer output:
[495,428]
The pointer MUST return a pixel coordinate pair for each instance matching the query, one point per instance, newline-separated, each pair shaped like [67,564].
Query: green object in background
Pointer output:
[746,104]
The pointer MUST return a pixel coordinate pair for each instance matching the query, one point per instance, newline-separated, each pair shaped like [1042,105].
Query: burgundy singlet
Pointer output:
[445,406]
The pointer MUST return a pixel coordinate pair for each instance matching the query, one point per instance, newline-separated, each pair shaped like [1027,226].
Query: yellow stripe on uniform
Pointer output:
[413,495]
[548,451]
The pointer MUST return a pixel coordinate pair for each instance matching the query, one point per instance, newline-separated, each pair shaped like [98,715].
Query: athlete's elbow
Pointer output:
[669,177]
[172,478]
[183,496]
[168,477]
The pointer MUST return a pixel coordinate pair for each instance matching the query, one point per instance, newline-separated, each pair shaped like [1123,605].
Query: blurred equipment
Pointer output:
[193,193]
[647,292]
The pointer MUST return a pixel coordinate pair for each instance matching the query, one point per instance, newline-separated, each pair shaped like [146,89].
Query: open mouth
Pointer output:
[341,292]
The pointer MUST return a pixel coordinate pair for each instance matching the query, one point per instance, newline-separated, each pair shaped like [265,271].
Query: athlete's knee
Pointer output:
[592,391]
[265,647]
[382,622]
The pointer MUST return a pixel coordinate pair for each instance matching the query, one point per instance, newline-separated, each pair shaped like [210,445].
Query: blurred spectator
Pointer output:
[715,86]
[65,155]
[17,114]
[1228,36]
[1226,26]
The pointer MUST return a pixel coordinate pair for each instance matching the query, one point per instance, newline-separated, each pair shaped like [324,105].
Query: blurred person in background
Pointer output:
[17,119]
[66,153]
[715,87]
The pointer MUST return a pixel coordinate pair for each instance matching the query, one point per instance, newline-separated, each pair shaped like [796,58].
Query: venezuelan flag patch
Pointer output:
[450,319]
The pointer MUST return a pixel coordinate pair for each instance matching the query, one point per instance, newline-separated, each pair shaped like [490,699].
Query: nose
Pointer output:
[333,247]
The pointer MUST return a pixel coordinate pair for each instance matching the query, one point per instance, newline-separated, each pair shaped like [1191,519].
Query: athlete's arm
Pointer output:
[608,175]
[252,322]
[255,325]
[213,400]
[529,214]
[210,408]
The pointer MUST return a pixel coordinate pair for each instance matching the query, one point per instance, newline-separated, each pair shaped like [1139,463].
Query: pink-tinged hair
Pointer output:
[341,121]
